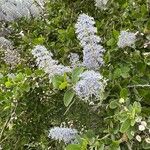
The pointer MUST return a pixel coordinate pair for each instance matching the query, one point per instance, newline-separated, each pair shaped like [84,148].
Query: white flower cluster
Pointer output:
[92,50]
[142,124]
[126,39]
[142,127]
[45,61]
[139,139]
[101,4]
[90,84]
[67,135]
[11,55]
[13,9]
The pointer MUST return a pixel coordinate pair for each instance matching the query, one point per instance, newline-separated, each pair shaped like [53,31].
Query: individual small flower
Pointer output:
[121,100]
[126,39]
[141,127]
[45,61]
[21,33]
[91,84]
[92,50]
[91,103]
[68,135]
[132,133]
[101,4]
[138,138]
[147,140]
[143,123]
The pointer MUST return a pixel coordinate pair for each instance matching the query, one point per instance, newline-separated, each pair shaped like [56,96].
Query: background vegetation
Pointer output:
[29,104]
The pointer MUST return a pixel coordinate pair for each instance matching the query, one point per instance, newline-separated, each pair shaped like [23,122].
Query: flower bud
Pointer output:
[138,138]
[141,127]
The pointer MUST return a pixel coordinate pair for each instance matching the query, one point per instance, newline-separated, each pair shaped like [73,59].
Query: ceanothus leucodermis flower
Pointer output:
[92,50]
[45,61]
[68,135]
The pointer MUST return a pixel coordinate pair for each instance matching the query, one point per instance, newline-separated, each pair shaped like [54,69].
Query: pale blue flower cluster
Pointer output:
[126,39]
[4,43]
[11,55]
[92,50]
[74,60]
[13,9]
[45,61]
[67,135]
[91,84]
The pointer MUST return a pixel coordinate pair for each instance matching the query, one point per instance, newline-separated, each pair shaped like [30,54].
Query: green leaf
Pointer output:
[68,96]
[8,84]
[26,87]
[57,80]
[75,74]
[73,147]
[20,77]
[113,104]
[125,125]
[133,122]
[122,117]
[39,72]
[39,40]
[125,71]
[63,85]
[115,145]
[101,146]
[107,57]
[145,145]
[137,107]
[28,71]
[130,134]
[124,93]
[90,134]
[111,42]
[117,73]
[115,34]
[84,144]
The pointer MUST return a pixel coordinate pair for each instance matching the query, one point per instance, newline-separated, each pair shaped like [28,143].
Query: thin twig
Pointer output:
[69,107]
[129,146]
[104,137]
[7,122]
[139,85]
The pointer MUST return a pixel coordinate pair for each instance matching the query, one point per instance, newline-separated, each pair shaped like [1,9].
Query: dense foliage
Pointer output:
[42,105]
